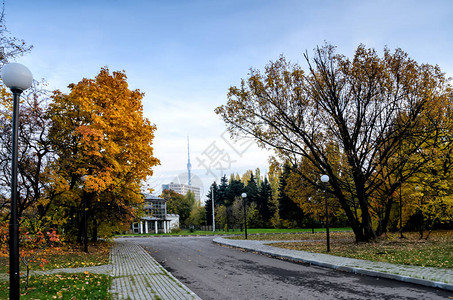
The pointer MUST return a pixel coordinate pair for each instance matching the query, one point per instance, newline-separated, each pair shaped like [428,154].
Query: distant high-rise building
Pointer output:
[182,189]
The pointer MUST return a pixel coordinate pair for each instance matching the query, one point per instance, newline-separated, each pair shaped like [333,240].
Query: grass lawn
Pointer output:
[437,251]
[63,286]
[238,231]
[67,256]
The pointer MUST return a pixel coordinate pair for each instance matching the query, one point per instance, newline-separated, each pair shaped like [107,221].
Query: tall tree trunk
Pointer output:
[356,225]
[80,229]
[382,228]
[94,237]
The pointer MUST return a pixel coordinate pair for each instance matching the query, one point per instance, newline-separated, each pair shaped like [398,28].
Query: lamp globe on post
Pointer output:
[244,196]
[17,78]
[325,179]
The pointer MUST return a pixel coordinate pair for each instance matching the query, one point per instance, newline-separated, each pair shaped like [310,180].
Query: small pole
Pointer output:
[244,196]
[327,219]
[213,213]
[325,179]
[14,275]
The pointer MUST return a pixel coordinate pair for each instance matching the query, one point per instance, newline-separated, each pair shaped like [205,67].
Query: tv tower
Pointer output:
[189,166]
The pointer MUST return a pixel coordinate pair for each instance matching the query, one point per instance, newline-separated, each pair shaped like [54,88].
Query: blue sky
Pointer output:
[186,54]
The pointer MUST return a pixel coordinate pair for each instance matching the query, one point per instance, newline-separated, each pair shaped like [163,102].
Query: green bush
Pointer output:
[175,230]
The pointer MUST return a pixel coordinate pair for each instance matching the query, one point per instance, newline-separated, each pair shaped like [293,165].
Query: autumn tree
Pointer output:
[366,109]
[197,216]
[274,174]
[104,152]
[34,152]
[34,156]
[181,205]
[10,48]
[428,196]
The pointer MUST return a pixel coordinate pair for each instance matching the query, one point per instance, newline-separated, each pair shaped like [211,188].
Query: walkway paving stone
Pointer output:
[136,275]
[433,277]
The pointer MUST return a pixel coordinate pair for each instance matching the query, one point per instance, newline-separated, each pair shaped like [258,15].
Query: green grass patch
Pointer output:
[290,234]
[437,251]
[237,232]
[63,286]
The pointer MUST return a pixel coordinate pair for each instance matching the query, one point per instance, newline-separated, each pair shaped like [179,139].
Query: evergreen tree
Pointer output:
[221,198]
[265,200]
[252,190]
[235,189]
[288,209]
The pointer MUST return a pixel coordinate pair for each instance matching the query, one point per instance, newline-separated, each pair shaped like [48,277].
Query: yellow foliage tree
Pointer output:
[104,148]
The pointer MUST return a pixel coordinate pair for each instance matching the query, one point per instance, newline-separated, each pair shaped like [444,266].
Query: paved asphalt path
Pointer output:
[216,272]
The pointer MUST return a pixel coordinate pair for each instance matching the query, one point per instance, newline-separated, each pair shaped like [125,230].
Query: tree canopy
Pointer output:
[91,147]
[363,121]
[103,148]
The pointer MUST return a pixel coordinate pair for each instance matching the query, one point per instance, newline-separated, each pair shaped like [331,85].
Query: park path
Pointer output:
[427,276]
[136,275]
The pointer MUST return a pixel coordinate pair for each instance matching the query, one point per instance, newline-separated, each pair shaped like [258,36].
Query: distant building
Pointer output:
[182,189]
[155,218]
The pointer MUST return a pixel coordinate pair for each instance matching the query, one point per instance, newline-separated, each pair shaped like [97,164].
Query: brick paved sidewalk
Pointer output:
[433,277]
[136,275]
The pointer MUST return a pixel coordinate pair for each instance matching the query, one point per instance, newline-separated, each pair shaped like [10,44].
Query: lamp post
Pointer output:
[85,220]
[213,205]
[244,196]
[17,78]
[312,220]
[325,179]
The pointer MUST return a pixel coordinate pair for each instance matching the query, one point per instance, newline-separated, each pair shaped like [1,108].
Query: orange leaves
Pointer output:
[99,132]
[98,183]
[89,133]
[34,240]
[4,252]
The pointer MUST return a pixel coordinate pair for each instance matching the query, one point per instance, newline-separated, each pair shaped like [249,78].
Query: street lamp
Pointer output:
[18,78]
[244,196]
[213,206]
[325,179]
